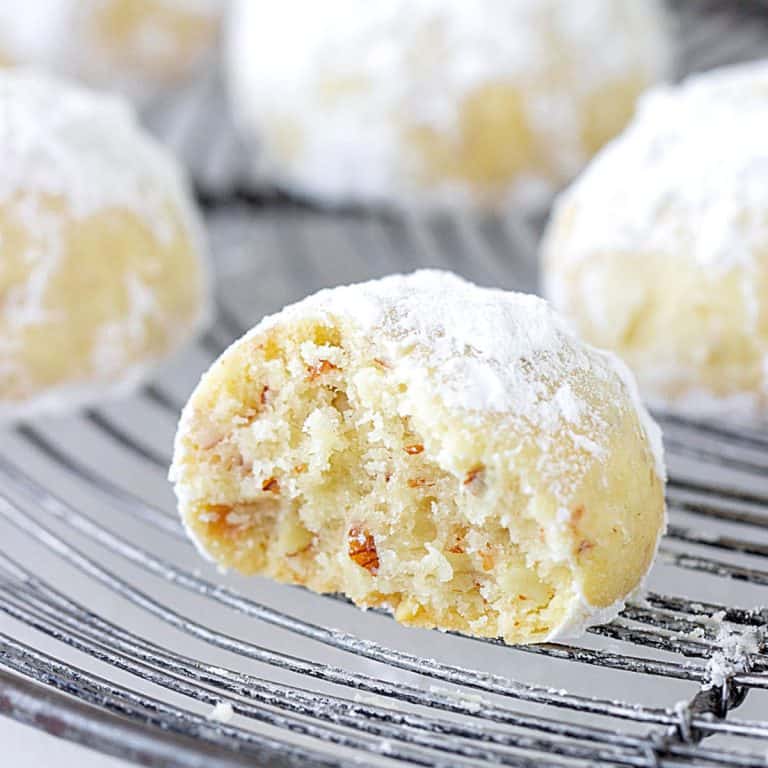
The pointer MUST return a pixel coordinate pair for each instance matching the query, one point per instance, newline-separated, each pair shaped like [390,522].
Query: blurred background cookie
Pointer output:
[447,451]
[660,250]
[102,269]
[437,102]
[137,46]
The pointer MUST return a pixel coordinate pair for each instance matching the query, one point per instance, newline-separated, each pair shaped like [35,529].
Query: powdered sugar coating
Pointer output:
[415,62]
[697,159]
[69,155]
[71,397]
[30,31]
[62,140]
[486,350]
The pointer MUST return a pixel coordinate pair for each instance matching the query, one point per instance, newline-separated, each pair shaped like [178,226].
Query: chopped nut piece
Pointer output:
[577,514]
[211,442]
[381,364]
[300,469]
[584,546]
[340,401]
[413,450]
[324,366]
[271,485]
[299,551]
[228,457]
[217,509]
[486,558]
[362,549]
[234,461]
[420,482]
[522,597]
[459,532]
[473,474]
[249,415]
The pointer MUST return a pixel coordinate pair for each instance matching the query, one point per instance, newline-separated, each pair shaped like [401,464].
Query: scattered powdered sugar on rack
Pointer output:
[736,645]
[399,63]
[223,712]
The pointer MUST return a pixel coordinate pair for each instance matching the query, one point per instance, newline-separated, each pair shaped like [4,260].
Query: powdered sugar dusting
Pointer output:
[69,397]
[341,70]
[696,160]
[736,646]
[64,141]
[580,616]
[464,364]
[222,712]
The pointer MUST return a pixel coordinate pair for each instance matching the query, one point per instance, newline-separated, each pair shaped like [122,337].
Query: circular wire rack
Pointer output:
[115,634]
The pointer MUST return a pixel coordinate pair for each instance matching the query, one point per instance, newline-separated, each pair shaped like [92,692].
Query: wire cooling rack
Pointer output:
[115,634]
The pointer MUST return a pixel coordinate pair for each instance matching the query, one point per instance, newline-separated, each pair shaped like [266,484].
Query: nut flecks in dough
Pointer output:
[494,456]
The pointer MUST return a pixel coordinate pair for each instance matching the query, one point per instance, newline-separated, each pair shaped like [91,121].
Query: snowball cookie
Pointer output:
[437,101]
[138,46]
[101,270]
[660,250]
[417,442]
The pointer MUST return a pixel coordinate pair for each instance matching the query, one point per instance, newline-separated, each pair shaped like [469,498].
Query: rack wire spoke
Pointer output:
[96,690]
[451,674]
[241,690]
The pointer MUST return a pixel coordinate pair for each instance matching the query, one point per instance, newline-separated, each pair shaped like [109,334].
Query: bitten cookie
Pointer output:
[102,269]
[417,442]
[660,250]
[437,102]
